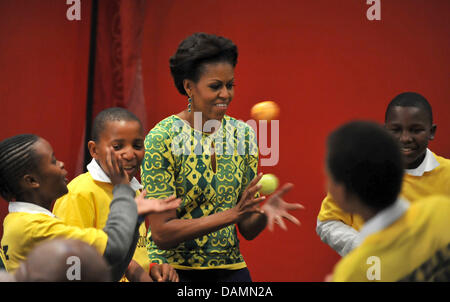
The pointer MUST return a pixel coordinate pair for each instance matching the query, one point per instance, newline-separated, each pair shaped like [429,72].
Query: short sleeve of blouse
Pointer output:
[157,170]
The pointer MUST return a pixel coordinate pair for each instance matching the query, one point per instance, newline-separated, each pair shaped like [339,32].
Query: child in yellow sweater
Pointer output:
[398,240]
[90,194]
[409,118]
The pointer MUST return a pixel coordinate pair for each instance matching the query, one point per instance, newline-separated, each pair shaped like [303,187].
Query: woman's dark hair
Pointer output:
[197,50]
[17,158]
[366,159]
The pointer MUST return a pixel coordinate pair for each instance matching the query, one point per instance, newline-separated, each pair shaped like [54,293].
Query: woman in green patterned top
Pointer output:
[210,161]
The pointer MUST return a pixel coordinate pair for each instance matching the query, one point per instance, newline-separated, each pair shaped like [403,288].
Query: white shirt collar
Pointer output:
[428,164]
[383,219]
[27,207]
[98,174]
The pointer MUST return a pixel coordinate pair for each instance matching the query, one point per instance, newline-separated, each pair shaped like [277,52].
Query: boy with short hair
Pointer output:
[409,118]
[87,203]
[398,240]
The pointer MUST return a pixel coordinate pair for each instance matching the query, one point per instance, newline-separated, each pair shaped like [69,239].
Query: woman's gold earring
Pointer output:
[189,104]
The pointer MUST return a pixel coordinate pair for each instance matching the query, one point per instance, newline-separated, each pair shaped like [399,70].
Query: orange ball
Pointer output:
[266,110]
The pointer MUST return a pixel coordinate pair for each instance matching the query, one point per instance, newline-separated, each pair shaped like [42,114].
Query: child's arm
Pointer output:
[123,225]
[122,230]
[339,236]
[148,206]
[335,227]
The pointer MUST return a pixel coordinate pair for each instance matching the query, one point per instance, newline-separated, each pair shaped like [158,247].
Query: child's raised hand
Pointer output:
[149,206]
[114,168]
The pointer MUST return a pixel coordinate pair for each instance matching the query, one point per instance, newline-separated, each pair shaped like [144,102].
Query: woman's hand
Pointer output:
[163,273]
[149,206]
[114,168]
[248,204]
[276,208]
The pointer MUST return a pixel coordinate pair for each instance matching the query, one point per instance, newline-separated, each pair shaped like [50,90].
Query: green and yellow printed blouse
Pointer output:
[178,160]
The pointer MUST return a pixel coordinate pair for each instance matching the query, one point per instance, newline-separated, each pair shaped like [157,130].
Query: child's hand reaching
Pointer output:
[114,168]
[149,206]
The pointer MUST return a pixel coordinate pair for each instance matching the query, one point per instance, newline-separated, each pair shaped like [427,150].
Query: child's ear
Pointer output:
[432,132]
[30,181]
[92,146]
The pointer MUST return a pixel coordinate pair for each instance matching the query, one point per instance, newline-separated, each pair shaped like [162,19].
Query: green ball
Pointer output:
[269,183]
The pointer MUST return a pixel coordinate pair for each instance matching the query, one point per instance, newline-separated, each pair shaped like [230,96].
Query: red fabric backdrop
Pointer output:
[322,61]
[118,79]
